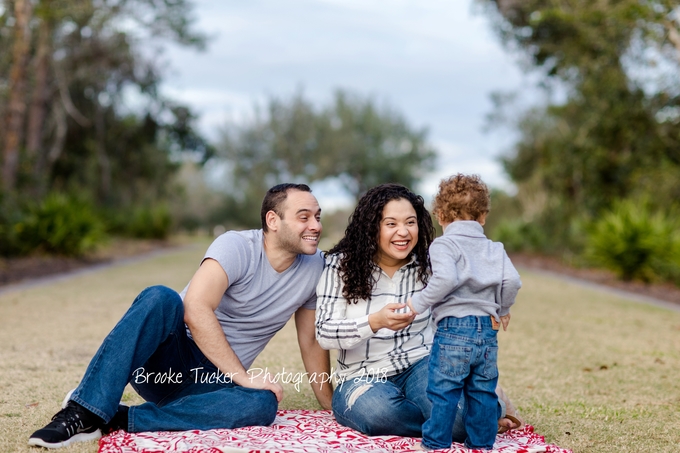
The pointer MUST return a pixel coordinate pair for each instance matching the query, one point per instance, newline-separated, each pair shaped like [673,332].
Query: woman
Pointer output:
[369,275]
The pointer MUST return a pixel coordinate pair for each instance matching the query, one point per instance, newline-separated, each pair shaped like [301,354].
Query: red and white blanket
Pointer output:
[299,431]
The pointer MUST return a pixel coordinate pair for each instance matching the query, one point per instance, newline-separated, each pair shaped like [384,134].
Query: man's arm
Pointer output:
[315,358]
[202,298]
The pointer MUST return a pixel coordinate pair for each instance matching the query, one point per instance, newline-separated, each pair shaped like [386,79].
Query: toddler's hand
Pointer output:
[505,320]
[410,306]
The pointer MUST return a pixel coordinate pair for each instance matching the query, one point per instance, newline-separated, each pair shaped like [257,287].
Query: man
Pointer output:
[187,355]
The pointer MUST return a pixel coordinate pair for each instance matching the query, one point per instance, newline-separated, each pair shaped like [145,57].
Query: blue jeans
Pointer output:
[463,361]
[149,348]
[396,405]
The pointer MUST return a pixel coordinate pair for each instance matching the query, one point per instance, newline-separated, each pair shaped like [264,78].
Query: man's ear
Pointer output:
[272,220]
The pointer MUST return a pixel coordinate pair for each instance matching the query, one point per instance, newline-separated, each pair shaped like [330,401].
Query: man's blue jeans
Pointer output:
[396,405]
[463,360]
[150,349]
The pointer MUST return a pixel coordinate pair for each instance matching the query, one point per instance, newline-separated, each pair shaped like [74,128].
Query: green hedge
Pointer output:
[142,222]
[70,225]
[636,243]
[59,224]
[154,222]
[518,235]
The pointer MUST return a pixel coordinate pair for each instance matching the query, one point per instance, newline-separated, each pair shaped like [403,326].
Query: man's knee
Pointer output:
[160,298]
[260,410]
[269,406]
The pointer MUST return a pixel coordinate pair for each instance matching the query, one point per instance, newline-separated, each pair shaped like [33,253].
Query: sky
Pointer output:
[435,61]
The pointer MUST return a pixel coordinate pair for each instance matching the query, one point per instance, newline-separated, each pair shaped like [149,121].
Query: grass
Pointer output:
[591,371]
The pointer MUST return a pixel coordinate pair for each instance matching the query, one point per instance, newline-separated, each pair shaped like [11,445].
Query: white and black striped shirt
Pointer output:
[344,326]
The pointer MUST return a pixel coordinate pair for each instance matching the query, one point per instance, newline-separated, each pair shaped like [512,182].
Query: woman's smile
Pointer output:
[398,235]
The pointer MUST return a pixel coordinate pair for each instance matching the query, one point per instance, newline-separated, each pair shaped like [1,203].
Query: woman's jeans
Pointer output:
[463,361]
[149,348]
[376,406]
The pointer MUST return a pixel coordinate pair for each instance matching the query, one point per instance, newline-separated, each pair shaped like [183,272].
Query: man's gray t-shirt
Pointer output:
[259,300]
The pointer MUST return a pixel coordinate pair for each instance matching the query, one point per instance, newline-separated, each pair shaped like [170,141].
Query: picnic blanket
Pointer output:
[299,431]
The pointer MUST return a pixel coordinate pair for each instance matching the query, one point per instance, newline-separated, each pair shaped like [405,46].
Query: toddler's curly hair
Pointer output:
[462,197]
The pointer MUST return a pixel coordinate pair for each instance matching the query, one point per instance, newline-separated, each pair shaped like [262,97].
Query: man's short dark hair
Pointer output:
[275,198]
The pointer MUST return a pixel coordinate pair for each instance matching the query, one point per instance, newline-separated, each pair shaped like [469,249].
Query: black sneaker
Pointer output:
[119,420]
[72,424]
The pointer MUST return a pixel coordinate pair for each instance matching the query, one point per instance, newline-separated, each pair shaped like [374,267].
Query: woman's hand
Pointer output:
[388,317]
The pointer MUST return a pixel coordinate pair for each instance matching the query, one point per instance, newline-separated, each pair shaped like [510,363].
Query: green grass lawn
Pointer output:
[591,371]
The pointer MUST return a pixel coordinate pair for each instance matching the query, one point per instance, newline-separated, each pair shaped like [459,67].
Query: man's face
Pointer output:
[301,223]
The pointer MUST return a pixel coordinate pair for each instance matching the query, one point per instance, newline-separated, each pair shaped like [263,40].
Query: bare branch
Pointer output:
[66,99]
[673,35]
[60,134]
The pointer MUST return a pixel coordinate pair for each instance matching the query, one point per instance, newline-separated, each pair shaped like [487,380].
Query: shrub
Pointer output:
[518,235]
[149,222]
[634,242]
[60,224]
[10,225]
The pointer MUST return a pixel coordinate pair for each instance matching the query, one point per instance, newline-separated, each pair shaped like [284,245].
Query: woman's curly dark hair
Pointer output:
[359,246]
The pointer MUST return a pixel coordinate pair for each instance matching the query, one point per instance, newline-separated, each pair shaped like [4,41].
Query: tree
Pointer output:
[23,12]
[618,121]
[351,139]
[64,123]
[365,145]
[72,63]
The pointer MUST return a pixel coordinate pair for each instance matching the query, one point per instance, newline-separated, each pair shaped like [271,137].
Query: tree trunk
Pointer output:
[39,103]
[23,11]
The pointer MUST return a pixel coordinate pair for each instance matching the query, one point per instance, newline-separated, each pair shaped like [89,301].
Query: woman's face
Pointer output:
[398,233]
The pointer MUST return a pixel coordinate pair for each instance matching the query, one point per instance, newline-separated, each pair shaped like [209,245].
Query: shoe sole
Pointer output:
[82,437]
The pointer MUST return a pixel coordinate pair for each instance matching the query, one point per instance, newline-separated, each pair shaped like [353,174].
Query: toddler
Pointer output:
[472,287]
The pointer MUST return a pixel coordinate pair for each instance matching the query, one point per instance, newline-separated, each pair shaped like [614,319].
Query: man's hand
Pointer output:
[388,317]
[263,381]
[505,320]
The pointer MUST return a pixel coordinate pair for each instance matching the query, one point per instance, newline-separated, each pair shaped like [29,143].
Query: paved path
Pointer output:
[635,297]
[41,281]
[577,281]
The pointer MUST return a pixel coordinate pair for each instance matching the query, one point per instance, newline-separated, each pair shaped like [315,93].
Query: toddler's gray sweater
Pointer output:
[471,275]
